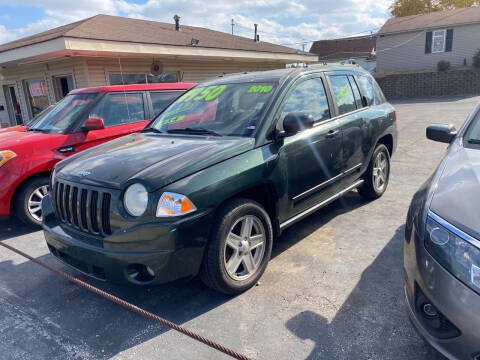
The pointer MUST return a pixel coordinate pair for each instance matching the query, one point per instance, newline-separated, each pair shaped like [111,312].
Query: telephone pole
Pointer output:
[233,24]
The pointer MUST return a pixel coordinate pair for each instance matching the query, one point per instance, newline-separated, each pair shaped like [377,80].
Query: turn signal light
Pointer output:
[171,204]
[6,155]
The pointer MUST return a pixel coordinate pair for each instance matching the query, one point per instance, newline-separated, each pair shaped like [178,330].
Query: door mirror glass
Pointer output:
[441,132]
[93,123]
[295,122]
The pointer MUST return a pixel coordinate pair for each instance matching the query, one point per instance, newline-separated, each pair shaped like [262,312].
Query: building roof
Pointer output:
[432,20]
[352,47]
[115,28]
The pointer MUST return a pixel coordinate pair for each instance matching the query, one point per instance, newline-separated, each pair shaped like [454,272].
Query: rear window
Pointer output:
[161,99]
[371,90]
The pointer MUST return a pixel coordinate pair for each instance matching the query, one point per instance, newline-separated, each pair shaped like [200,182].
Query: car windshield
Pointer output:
[223,109]
[58,119]
[473,134]
[40,115]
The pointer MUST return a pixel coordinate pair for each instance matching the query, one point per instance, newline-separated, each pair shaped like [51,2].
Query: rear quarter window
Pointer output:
[371,90]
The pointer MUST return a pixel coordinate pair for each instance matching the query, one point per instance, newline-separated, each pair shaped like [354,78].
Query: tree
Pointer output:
[413,7]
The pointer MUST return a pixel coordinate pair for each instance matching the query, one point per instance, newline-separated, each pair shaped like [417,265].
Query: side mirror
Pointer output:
[441,132]
[93,124]
[297,121]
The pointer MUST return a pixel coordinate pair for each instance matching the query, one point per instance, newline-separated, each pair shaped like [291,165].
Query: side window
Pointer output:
[309,97]
[366,82]
[120,108]
[379,97]
[356,92]
[161,99]
[343,93]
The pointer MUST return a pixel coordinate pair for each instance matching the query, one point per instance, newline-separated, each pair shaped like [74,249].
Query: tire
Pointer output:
[30,191]
[220,270]
[371,188]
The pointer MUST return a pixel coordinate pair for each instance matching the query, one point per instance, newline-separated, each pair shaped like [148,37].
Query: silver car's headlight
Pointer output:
[171,204]
[135,199]
[456,254]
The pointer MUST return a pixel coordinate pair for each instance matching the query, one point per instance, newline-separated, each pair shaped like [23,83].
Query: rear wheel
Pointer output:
[29,198]
[377,175]
[239,249]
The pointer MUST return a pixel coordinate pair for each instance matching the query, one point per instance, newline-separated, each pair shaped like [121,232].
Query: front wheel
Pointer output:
[239,249]
[28,200]
[377,175]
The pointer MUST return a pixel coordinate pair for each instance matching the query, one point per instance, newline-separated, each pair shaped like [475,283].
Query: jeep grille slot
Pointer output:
[83,208]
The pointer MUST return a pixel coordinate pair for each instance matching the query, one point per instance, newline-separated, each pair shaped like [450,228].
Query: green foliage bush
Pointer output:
[443,65]
[476,59]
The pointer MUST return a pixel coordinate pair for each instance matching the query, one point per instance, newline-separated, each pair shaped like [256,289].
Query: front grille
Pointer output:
[83,207]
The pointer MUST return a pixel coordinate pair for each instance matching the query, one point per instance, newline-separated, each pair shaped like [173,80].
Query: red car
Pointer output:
[84,118]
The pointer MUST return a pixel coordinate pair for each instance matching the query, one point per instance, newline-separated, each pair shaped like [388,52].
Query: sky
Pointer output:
[287,22]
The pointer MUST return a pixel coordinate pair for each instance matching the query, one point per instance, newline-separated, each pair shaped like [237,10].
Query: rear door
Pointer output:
[351,115]
[313,156]
[122,114]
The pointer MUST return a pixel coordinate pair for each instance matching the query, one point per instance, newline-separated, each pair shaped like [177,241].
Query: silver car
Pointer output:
[442,246]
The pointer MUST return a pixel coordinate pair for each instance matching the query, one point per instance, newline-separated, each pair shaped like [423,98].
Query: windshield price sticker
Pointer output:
[208,94]
[260,89]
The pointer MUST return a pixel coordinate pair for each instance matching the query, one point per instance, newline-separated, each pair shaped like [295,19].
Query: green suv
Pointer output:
[209,184]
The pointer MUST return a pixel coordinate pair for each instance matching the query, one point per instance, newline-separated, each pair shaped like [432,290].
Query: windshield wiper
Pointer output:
[151,129]
[474,141]
[35,129]
[195,131]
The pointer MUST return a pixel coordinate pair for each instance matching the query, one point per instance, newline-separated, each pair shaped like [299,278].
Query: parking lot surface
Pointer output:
[333,289]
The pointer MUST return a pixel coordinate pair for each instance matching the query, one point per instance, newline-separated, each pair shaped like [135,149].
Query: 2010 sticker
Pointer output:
[256,89]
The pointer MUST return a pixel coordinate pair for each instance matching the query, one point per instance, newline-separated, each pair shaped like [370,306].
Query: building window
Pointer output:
[37,96]
[63,85]
[127,79]
[438,43]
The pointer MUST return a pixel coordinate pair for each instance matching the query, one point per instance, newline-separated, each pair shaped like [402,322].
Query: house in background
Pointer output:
[419,42]
[353,50]
[107,50]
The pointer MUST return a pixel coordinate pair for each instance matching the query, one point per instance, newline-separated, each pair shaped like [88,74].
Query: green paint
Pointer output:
[260,89]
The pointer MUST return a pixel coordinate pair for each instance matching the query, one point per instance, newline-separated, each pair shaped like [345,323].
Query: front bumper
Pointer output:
[171,250]
[459,305]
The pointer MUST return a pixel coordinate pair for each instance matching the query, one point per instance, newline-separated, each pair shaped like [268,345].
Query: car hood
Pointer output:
[154,160]
[18,140]
[13,128]
[457,194]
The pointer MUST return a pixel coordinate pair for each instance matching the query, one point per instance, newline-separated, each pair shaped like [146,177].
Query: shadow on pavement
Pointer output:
[12,227]
[373,319]
[66,321]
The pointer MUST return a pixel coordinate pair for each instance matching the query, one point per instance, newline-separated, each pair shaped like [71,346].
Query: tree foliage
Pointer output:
[413,7]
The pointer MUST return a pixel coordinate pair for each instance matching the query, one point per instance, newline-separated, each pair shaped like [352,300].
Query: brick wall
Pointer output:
[429,83]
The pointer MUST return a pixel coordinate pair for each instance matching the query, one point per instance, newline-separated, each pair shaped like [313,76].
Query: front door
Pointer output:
[313,156]
[122,114]
[14,106]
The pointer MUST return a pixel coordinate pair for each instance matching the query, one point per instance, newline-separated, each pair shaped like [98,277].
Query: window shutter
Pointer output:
[428,43]
[449,43]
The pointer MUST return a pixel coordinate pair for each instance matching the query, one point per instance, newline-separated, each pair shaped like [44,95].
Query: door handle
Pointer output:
[332,133]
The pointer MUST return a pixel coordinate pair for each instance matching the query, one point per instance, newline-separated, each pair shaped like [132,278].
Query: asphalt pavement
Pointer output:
[333,289]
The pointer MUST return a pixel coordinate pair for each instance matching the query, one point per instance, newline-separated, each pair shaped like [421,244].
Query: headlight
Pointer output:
[171,204]
[456,254]
[6,155]
[135,199]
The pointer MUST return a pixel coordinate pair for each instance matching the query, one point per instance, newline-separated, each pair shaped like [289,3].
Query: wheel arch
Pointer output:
[387,140]
[265,195]
[13,199]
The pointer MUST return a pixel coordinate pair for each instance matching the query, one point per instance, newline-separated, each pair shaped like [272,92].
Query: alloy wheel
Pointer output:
[380,171]
[35,202]
[244,247]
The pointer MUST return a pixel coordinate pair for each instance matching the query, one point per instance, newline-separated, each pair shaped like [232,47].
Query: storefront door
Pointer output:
[14,108]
